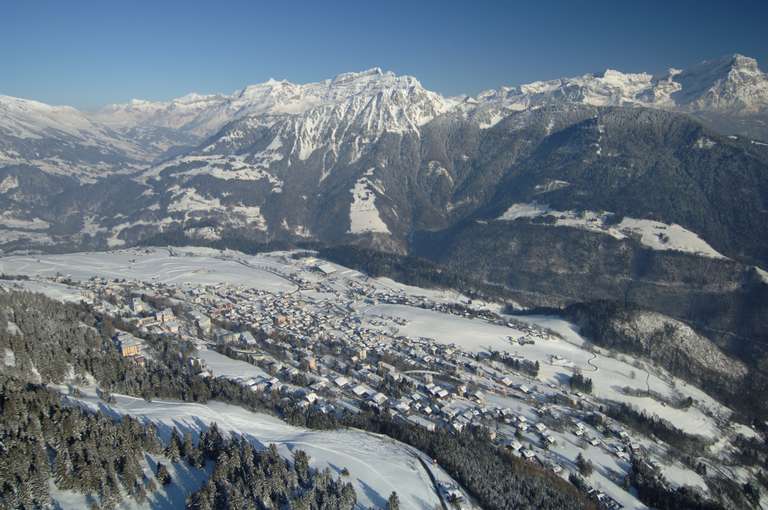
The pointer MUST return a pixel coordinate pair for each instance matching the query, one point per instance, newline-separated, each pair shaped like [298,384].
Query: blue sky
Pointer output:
[89,53]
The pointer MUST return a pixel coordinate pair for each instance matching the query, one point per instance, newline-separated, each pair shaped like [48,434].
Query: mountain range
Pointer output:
[607,185]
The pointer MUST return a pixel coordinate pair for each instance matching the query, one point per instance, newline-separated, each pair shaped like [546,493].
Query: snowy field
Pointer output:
[205,268]
[377,465]
[223,366]
[59,292]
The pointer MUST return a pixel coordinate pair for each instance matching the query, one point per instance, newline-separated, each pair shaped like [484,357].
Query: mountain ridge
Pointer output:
[730,94]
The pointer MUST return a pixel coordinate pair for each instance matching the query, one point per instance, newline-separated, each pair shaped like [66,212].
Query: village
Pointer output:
[319,336]
[317,346]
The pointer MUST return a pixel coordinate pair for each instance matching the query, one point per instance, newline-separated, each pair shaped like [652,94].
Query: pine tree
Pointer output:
[301,465]
[173,450]
[393,503]
[162,474]
[585,466]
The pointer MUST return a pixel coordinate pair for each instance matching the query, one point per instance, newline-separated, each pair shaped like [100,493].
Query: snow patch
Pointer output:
[9,183]
[661,236]
[363,214]
[762,273]
[704,143]
[650,233]
[8,220]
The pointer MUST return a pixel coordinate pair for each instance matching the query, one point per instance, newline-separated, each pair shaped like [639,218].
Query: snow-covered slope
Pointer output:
[377,465]
[302,140]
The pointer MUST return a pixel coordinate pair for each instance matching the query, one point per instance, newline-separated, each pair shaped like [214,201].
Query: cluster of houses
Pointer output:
[442,385]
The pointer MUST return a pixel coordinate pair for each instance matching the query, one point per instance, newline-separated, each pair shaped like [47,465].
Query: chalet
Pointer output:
[202,321]
[128,344]
[379,398]
[422,422]
[247,338]
[137,305]
[224,336]
[164,315]
[477,396]
[341,381]
[146,322]
[171,326]
[403,406]
[325,269]
[319,385]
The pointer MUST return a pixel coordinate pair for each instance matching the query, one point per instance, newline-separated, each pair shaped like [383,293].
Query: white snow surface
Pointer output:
[730,84]
[204,114]
[206,268]
[377,465]
[364,216]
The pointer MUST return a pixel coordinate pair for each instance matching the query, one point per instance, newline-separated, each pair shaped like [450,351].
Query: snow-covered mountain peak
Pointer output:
[26,118]
[743,62]
[355,75]
[733,84]
[355,106]
[728,84]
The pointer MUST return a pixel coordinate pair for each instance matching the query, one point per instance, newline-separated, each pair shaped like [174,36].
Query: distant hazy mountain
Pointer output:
[62,140]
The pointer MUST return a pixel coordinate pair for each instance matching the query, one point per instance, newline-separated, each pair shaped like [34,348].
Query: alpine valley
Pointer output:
[403,277]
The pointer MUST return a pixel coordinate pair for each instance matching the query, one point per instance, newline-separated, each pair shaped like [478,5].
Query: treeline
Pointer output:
[227,242]
[654,491]
[581,383]
[246,479]
[517,364]
[657,427]
[411,271]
